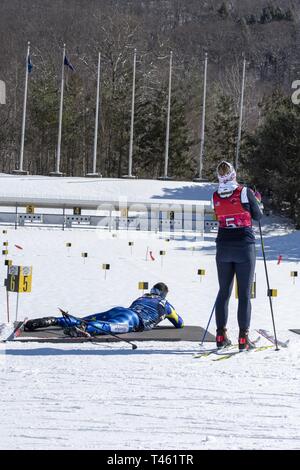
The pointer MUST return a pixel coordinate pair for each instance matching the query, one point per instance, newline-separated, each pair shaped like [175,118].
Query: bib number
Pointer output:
[229,221]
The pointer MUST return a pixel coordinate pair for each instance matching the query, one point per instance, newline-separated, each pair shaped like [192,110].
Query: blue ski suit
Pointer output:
[143,314]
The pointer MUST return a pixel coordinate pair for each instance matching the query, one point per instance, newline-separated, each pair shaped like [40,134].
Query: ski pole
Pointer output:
[208,323]
[66,316]
[268,285]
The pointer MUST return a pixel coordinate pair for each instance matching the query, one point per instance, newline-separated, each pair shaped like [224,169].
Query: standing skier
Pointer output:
[235,206]
[143,314]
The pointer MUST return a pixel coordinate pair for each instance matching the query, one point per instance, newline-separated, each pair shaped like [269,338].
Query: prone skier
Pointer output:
[144,313]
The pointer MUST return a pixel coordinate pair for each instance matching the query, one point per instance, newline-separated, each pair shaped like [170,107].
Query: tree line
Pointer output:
[266,31]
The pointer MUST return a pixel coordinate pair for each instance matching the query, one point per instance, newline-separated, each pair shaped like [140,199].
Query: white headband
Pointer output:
[230,176]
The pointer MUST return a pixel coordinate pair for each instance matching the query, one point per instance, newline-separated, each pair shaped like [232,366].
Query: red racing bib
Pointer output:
[230,212]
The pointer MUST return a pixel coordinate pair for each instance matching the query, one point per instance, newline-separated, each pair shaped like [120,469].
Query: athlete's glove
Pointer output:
[258,196]
[258,199]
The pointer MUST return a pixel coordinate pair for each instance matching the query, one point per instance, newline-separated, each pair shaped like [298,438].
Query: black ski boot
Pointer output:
[32,325]
[222,338]
[244,341]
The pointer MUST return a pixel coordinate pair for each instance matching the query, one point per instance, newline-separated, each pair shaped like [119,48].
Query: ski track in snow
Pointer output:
[159,396]
[107,396]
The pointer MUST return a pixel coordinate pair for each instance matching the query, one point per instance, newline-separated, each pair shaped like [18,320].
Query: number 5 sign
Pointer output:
[25,278]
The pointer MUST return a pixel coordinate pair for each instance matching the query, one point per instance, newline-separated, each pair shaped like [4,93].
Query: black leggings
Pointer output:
[231,260]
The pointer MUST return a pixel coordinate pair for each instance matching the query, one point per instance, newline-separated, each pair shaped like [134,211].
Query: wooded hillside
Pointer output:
[267,31]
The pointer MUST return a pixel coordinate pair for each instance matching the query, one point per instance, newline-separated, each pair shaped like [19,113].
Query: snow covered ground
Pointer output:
[88,191]
[108,396]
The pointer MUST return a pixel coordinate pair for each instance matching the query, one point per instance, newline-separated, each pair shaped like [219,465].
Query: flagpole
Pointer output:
[57,171]
[94,173]
[199,178]
[132,120]
[168,118]
[21,170]
[165,177]
[2,92]
[238,145]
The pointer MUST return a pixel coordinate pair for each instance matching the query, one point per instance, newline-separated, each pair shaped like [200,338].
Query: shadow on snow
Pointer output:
[194,192]
[94,352]
[288,246]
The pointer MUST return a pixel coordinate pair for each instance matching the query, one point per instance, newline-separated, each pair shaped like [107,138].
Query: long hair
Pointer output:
[224,168]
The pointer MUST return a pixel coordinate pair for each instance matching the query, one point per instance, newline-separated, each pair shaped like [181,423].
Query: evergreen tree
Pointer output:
[150,131]
[149,137]
[223,11]
[273,156]
[115,116]
[181,165]
[221,135]
[42,136]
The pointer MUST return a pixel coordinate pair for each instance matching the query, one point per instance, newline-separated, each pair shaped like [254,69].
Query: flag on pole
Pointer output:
[68,63]
[29,64]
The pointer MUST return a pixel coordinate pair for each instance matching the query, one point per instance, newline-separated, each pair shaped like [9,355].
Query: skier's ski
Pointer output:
[16,331]
[229,354]
[219,351]
[207,352]
[270,337]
